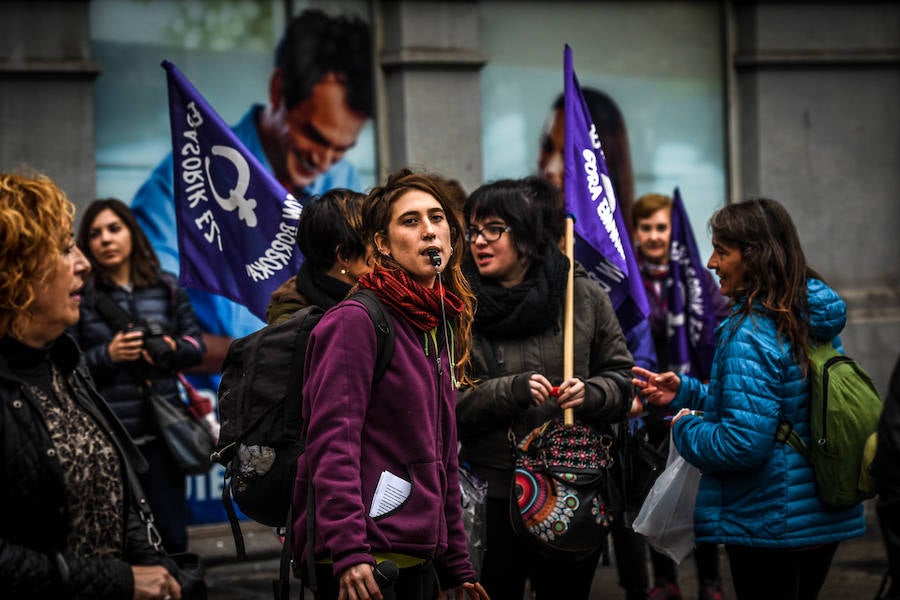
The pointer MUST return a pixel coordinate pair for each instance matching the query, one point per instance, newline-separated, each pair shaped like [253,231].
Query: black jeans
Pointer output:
[631,560]
[779,574]
[508,563]
[413,583]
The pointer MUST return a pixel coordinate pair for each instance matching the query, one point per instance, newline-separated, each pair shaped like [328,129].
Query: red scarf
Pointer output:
[420,305]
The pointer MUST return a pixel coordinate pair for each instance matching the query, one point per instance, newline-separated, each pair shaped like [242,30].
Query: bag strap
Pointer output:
[384,330]
[144,512]
[114,315]
[281,587]
[787,435]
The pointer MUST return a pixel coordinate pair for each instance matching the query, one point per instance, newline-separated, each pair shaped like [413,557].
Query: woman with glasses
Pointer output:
[519,279]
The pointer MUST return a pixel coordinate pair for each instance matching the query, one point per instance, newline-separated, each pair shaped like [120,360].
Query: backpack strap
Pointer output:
[384,330]
[787,435]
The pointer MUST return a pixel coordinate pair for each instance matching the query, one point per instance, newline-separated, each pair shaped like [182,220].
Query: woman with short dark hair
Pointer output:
[519,275]
[331,237]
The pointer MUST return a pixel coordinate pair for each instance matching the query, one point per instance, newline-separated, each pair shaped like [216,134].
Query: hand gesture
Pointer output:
[656,388]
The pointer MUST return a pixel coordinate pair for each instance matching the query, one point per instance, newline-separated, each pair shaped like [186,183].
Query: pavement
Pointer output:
[855,573]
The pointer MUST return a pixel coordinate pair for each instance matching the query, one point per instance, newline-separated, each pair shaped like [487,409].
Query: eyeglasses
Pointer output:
[490,233]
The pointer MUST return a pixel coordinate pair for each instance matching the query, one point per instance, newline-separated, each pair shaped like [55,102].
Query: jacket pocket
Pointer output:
[416,519]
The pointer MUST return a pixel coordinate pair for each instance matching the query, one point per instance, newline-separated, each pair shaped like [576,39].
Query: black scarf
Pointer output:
[524,310]
[320,289]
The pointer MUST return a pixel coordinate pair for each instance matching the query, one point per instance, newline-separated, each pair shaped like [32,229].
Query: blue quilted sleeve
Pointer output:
[742,404]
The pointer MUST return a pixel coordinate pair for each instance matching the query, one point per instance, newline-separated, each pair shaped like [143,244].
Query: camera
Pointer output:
[159,350]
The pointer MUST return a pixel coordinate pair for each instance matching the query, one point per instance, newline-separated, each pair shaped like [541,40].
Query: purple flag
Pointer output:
[601,241]
[236,224]
[692,311]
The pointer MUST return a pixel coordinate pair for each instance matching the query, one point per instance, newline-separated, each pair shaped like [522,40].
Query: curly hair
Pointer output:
[144,262]
[377,216]
[35,226]
[775,269]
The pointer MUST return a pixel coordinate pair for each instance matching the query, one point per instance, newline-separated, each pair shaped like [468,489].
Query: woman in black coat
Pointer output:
[137,330]
[69,527]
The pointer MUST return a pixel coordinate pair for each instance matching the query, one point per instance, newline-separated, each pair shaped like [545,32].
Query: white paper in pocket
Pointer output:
[391,492]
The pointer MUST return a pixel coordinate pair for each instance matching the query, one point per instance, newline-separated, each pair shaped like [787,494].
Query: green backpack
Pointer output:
[844,412]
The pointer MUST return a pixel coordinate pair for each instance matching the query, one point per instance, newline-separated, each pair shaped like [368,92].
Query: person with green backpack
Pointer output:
[759,496]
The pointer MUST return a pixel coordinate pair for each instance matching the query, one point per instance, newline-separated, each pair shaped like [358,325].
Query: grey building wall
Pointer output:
[817,127]
[46,93]
[812,104]
[430,88]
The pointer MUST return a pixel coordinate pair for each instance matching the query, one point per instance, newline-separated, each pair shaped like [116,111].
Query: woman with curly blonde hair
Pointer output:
[73,530]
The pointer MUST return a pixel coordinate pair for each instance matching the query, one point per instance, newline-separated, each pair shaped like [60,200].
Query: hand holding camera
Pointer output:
[145,338]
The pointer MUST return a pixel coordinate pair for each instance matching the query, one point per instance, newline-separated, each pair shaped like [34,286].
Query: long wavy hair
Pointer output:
[377,216]
[775,269]
[35,227]
[144,263]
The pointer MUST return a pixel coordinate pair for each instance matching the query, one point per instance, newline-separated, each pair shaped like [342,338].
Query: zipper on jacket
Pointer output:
[439,448]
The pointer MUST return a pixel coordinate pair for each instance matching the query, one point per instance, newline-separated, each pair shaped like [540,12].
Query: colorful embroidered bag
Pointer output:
[561,494]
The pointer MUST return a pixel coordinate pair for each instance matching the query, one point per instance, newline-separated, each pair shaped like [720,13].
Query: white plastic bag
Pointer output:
[666,518]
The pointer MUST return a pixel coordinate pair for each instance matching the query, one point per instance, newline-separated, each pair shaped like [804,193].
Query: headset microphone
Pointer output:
[435,258]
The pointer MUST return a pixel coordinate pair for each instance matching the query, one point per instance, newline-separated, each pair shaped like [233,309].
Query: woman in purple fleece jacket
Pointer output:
[381,456]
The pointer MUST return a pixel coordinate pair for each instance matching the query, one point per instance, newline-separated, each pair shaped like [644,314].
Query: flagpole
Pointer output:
[569,316]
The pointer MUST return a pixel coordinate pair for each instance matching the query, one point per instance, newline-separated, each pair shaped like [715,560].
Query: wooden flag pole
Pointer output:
[569,316]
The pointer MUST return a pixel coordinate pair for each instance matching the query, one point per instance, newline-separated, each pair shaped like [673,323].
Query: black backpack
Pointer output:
[260,411]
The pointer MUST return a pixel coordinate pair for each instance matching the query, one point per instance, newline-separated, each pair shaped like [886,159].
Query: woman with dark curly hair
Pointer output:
[758,496]
[70,527]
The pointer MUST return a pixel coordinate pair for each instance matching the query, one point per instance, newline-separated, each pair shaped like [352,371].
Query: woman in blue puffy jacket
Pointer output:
[758,496]
[155,337]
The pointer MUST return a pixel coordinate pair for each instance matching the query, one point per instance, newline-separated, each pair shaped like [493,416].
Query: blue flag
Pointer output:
[602,245]
[237,225]
[692,309]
